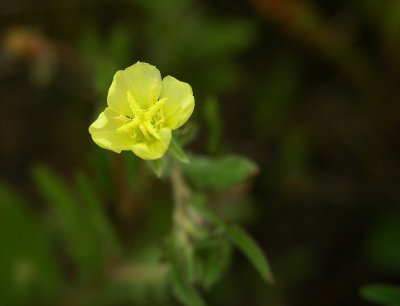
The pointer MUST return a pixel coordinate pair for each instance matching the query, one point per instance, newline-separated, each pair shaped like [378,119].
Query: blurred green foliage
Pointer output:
[382,294]
[75,256]
[28,267]
[218,174]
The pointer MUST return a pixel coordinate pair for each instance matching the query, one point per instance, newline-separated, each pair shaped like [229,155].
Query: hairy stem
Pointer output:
[181,196]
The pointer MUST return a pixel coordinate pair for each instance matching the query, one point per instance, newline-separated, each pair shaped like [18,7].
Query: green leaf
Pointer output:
[215,260]
[140,278]
[198,200]
[176,151]
[380,293]
[28,266]
[182,270]
[218,174]
[252,251]
[214,123]
[183,290]
[119,45]
[157,166]
[186,134]
[104,165]
[71,222]
[239,238]
[96,214]
[184,256]
[382,244]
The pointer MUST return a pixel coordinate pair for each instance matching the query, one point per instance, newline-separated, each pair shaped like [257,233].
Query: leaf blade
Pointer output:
[381,293]
[69,221]
[157,166]
[252,250]
[219,173]
[177,152]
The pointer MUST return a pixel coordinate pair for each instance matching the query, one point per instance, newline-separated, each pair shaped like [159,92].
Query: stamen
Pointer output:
[152,130]
[135,107]
[125,128]
[144,131]
[123,118]
[155,108]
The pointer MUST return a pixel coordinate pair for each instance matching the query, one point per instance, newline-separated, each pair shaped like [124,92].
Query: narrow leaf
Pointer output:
[177,152]
[380,293]
[198,201]
[70,221]
[240,239]
[180,274]
[28,266]
[157,166]
[213,120]
[218,174]
[215,261]
[184,292]
[186,134]
[96,213]
[252,251]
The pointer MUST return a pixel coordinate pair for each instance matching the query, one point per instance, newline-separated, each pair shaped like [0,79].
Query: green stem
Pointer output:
[181,196]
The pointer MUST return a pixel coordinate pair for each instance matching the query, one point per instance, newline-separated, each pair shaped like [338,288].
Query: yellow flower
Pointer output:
[142,112]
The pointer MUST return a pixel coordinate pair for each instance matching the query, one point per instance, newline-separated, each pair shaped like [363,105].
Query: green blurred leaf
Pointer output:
[186,134]
[240,239]
[96,214]
[109,293]
[184,291]
[90,42]
[383,245]
[120,46]
[199,202]
[157,166]
[380,293]
[251,249]
[279,87]
[183,270]
[176,151]
[214,123]
[220,173]
[207,45]
[71,221]
[184,257]
[215,260]
[139,285]
[106,56]
[104,176]
[135,178]
[28,268]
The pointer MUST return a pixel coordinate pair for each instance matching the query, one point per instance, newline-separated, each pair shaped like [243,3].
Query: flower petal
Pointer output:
[104,132]
[154,149]
[144,83]
[179,103]
[117,95]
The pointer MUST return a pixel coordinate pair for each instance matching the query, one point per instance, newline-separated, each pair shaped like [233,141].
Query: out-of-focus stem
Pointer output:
[181,196]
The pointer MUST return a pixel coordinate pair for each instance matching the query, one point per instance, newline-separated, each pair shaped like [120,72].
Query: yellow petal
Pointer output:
[104,132]
[155,149]
[179,102]
[117,95]
[144,83]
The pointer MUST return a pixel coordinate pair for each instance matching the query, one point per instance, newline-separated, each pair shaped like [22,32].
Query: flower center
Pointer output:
[145,123]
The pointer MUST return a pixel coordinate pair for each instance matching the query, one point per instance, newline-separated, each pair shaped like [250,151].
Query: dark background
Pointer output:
[309,90]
